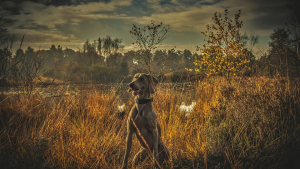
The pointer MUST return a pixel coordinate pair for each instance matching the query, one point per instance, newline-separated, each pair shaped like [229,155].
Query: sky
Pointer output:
[69,23]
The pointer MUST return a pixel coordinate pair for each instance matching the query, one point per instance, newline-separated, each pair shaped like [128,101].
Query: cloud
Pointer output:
[50,16]
[44,39]
[70,21]
[39,22]
[258,16]
[191,19]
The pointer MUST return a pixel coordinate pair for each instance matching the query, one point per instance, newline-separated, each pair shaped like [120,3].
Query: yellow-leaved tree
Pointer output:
[224,53]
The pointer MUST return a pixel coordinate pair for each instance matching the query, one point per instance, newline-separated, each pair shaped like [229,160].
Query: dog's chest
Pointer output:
[146,111]
[144,118]
[141,122]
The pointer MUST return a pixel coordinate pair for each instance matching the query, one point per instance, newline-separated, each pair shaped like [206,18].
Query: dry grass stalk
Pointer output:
[250,123]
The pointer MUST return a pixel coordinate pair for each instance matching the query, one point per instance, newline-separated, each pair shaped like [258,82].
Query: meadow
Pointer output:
[247,123]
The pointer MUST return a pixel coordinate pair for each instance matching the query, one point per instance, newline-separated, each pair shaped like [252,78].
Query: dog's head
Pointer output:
[142,84]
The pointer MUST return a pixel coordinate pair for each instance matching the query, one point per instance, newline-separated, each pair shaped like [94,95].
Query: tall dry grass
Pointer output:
[249,123]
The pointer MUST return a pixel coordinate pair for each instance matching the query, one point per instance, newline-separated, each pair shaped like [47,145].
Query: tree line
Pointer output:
[226,52]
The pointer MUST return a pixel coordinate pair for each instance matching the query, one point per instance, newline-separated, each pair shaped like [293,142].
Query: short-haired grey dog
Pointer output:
[142,121]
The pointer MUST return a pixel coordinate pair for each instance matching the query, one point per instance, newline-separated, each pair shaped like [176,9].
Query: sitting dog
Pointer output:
[142,121]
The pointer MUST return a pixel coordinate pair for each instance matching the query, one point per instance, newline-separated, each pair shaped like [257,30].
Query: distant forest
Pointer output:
[99,61]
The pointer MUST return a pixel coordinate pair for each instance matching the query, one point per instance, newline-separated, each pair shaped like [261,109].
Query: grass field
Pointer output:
[248,123]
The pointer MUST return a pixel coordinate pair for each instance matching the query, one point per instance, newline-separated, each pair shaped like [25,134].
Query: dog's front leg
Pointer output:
[155,148]
[128,147]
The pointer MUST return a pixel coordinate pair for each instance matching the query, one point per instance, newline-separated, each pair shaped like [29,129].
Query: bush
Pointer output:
[102,74]
[48,73]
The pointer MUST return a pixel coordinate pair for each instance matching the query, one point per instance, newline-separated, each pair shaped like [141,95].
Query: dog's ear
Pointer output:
[152,83]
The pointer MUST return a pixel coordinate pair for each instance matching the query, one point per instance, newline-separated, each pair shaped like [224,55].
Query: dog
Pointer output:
[142,121]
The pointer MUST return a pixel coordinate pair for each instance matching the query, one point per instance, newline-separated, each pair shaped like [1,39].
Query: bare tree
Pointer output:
[293,24]
[99,48]
[110,50]
[5,49]
[90,52]
[148,38]
[107,45]
[282,57]
[27,68]
[5,57]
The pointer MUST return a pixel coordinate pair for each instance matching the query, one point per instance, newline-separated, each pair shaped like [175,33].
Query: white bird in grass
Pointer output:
[121,111]
[187,109]
[121,108]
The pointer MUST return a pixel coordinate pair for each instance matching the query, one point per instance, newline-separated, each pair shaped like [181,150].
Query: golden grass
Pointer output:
[250,123]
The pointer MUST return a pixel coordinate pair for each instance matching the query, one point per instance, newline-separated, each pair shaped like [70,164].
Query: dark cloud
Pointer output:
[11,7]
[271,2]
[271,19]
[14,7]
[33,26]
[267,15]
[72,2]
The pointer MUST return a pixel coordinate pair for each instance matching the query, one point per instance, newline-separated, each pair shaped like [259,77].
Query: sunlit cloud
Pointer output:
[44,39]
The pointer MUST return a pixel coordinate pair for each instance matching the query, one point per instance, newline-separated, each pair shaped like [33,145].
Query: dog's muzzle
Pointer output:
[134,90]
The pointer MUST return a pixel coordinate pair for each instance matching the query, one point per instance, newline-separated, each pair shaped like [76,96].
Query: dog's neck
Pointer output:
[143,100]
[143,95]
